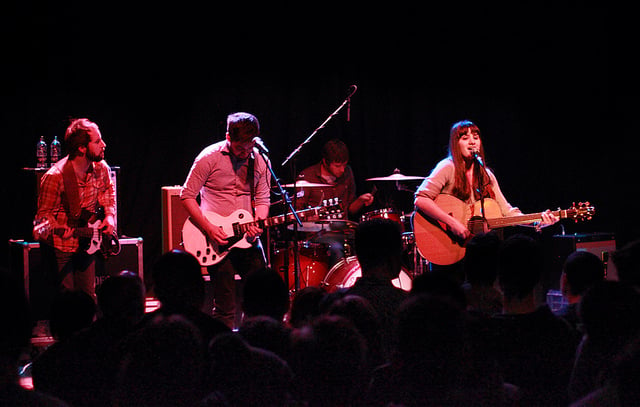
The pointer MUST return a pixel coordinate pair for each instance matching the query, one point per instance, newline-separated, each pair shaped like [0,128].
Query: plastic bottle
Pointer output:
[55,150]
[41,153]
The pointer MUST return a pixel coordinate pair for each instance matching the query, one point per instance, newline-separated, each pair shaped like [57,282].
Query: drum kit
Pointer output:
[319,266]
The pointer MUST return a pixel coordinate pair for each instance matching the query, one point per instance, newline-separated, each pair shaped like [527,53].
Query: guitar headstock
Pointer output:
[330,209]
[581,211]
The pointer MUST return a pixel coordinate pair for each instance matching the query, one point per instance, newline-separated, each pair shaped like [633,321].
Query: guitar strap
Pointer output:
[72,190]
[251,181]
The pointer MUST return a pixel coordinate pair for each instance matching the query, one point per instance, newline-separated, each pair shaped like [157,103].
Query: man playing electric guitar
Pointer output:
[463,175]
[76,184]
[230,175]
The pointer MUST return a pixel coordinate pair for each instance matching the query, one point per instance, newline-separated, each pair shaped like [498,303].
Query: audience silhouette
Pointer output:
[581,270]
[487,342]
[480,266]
[81,368]
[15,335]
[179,286]
[534,348]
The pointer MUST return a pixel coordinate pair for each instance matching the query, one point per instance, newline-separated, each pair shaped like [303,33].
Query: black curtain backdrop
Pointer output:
[159,79]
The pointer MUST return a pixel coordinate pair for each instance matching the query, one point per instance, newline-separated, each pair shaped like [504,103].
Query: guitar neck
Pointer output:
[240,228]
[517,220]
[84,232]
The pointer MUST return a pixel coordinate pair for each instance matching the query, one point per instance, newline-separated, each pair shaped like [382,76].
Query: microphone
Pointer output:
[352,90]
[477,157]
[260,145]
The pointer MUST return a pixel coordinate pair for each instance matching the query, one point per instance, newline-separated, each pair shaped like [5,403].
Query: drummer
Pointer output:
[333,169]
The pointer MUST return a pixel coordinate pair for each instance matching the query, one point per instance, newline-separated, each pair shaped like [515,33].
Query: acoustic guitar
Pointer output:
[440,246]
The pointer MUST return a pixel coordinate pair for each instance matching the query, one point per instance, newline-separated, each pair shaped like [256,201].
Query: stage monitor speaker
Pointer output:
[173,217]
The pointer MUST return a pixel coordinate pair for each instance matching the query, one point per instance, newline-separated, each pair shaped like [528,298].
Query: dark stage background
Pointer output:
[159,79]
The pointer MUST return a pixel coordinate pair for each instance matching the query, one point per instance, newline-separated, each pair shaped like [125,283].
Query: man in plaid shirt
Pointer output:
[84,170]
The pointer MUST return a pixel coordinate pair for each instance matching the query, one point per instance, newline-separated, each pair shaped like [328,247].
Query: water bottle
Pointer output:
[41,153]
[54,150]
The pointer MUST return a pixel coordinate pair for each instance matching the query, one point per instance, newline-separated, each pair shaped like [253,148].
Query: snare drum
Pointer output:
[386,213]
[314,263]
[345,273]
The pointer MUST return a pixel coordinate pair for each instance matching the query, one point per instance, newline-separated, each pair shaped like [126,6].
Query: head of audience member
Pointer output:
[164,364]
[378,245]
[328,359]
[122,298]
[265,293]
[431,339]
[177,281]
[441,284]
[581,270]
[305,305]
[245,375]
[481,259]
[264,332]
[610,313]
[627,262]
[71,311]
[626,371]
[519,270]
[364,317]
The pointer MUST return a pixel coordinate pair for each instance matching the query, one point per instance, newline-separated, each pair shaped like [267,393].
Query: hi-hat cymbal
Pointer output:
[306,184]
[396,176]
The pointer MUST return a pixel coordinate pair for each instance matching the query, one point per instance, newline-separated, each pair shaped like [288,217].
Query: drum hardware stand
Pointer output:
[291,158]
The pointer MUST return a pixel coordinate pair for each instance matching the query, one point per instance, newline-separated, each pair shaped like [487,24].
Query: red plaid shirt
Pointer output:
[53,204]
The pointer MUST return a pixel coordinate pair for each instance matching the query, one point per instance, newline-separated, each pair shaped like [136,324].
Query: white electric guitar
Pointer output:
[91,237]
[236,225]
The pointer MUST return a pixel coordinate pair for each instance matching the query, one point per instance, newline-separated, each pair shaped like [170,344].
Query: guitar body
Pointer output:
[235,226]
[438,245]
[207,252]
[86,229]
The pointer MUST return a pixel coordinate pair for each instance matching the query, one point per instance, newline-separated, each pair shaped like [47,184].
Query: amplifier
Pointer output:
[173,217]
[600,244]
[41,285]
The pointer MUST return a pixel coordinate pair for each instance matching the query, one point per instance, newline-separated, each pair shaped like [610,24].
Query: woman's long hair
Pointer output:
[461,185]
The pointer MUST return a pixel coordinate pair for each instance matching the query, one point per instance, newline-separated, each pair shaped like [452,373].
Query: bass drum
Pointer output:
[314,260]
[345,273]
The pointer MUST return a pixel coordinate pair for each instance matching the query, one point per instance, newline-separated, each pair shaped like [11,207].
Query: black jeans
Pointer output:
[227,291]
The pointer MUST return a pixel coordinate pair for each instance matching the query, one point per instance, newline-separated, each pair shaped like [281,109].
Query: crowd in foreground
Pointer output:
[486,341]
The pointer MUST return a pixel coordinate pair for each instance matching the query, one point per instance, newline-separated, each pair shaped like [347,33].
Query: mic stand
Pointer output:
[289,205]
[480,189]
[308,139]
[291,157]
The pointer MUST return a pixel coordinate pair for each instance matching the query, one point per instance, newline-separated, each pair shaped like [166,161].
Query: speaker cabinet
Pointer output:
[173,217]
[600,244]
[40,278]
[130,258]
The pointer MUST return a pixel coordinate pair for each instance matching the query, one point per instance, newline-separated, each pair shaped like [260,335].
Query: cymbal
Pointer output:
[396,176]
[306,184]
